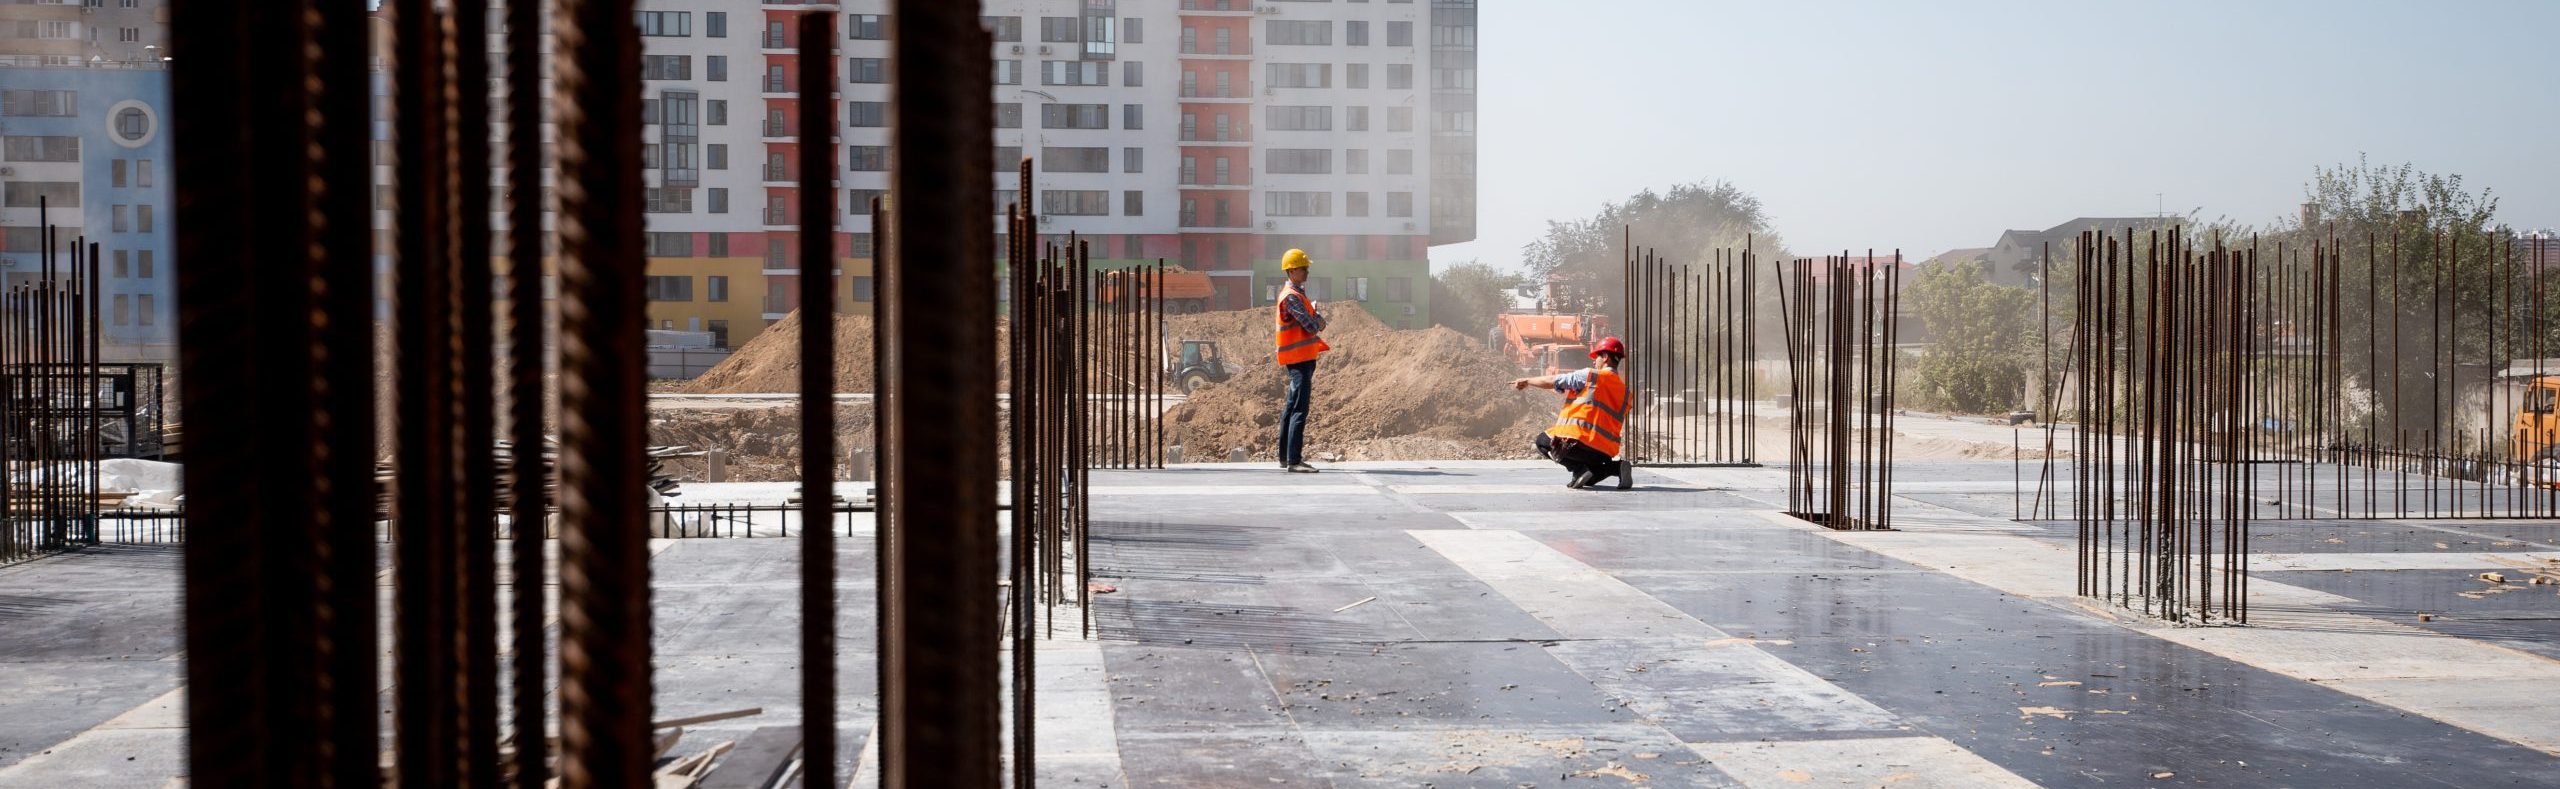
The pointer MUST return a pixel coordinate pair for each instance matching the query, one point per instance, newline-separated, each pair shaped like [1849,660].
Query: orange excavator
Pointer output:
[2536,438]
[1546,344]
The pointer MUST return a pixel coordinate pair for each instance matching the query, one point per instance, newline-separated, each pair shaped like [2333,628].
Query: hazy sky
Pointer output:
[1934,125]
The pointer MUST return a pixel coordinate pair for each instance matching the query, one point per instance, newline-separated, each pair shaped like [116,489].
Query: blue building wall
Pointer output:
[149,329]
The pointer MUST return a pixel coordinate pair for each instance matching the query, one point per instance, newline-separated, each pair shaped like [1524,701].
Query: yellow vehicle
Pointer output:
[2536,439]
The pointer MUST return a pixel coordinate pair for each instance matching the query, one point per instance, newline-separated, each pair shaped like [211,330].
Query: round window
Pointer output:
[132,124]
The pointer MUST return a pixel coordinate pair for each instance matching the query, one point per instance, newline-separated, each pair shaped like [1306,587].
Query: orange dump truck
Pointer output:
[1544,344]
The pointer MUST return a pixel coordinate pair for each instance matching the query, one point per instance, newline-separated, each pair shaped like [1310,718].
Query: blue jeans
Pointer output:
[1293,415]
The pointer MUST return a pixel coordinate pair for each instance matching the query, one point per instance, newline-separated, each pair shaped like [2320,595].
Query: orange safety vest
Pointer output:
[1293,343]
[1593,417]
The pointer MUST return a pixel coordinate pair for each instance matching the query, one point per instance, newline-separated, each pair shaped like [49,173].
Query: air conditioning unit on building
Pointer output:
[1044,49]
[8,262]
[1408,309]
[1045,219]
[8,171]
[1017,49]
[1270,225]
[1268,9]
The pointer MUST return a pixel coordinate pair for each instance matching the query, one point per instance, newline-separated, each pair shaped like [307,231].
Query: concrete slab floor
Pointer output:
[1475,624]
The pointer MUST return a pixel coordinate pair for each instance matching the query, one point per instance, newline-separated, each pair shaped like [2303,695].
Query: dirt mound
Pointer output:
[771,361]
[1380,394]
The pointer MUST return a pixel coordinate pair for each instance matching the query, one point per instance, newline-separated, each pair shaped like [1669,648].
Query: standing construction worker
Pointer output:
[1585,436]
[1296,339]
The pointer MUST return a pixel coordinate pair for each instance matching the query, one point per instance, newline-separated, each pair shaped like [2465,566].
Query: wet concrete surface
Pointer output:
[1273,629]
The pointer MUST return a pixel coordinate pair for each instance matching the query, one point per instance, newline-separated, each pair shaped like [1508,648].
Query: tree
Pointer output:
[1468,295]
[1983,350]
[1688,222]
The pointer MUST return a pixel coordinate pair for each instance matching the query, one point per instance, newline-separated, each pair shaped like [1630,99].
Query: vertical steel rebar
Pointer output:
[818,214]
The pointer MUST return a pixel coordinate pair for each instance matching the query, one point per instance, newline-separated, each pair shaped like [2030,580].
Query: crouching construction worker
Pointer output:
[1585,436]
[1297,341]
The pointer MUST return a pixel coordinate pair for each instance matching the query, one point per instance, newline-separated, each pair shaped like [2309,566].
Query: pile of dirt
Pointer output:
[762,444]
[771,361]
[1380,394]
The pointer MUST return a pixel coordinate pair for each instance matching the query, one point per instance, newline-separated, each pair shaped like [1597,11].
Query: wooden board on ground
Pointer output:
[758,761]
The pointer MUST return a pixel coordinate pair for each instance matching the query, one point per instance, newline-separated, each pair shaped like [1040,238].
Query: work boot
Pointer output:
[1626,475]
[1584,479]
[1301,467]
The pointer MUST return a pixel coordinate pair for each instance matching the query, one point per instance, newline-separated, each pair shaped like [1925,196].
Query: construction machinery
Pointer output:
[1545,344]
[1198,365]
[2535,440]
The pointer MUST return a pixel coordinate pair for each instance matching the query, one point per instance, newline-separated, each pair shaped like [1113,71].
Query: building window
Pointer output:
[1133,116]
[121,270]
[40,103]
[1054,159]
[1226,86]
[142,265]
[1399,34]
[667,201]
[1399,289]
[1075,202]
[142,173]
[1297,203]
[861,245]
[145,311]
[1191,41]
[1358,288]
[123,219]
[1355,160]
[1071,72]
[866,71]
[1058,29]
[669,288]
[1399,119]
[865,27]
[1006,28]
[719,330]
[863,288]
[715,24]
[1355,118]
[719,200]
[1132,160]
[1133,203]
[718,244]
[1355,204]
[1132,75]
[1008,158]
[666,67]
[133,124]
[1293,32]
[116,170]
[142,218]
[1225,40]
[1455,121]
[1008,115]
[1008,72]
[1300,75]
[1355,75]
[777,254]
[1299,118]
[1400,161]
[1219,165]
[715,68]
[670,245]
[1299,161]
[1132,31]
[1399,203]
[1190,170]
[124,310]
[1132,247]
[718,112]
[1075,116]
[715,288]
[866,114]
[1399,76]
[860,199]
[716,156]
[868,158]
[1355,34]
[666,23]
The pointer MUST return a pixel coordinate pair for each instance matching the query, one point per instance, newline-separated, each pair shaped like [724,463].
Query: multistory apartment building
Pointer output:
[89,144]
[63,32]
[1214,134]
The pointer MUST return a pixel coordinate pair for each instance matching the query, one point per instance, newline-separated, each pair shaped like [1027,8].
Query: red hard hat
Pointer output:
[1609,345]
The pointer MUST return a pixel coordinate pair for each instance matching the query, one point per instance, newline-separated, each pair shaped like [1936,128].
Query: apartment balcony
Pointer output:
[1228,140]
[1217,7]
[1189,182]
[779,131]
[775,42]
[1211,225]
[1216,96]
[779,176]
[776,88]
[1215,53]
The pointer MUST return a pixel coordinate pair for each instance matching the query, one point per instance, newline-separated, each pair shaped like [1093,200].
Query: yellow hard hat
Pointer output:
[1294,260]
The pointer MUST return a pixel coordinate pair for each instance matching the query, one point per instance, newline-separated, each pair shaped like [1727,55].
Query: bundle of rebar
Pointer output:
[1839,314]
[52,408]
[1690,364]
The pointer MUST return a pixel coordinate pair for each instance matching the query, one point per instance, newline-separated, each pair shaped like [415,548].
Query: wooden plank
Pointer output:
[758,761]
